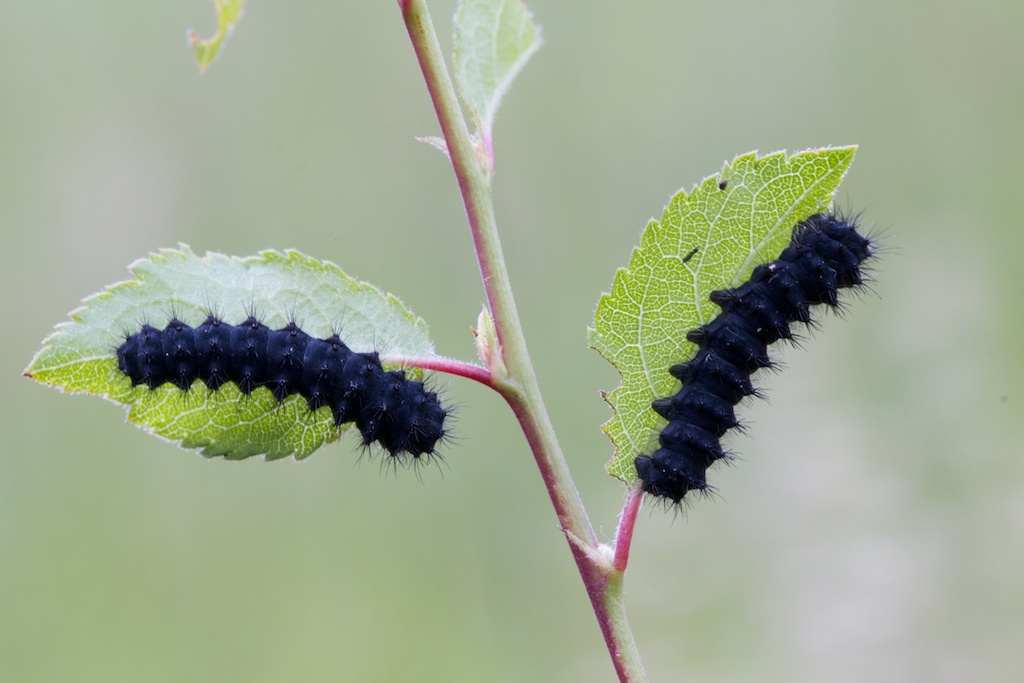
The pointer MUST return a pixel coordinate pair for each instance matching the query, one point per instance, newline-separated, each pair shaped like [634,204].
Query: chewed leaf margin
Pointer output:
[79,356]
[710,238]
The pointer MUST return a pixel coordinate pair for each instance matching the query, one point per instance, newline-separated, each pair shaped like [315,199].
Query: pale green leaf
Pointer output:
[80,355]
[711,238]
[229,12]
[493,40]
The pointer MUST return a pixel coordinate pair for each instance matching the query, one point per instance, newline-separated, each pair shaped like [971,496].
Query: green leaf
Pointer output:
[709,239]
[229,12]
[493,40]
[80,355]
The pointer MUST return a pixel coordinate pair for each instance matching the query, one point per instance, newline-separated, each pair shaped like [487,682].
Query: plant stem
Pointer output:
[476,194]
[624,535]
[447,365]
[522,391]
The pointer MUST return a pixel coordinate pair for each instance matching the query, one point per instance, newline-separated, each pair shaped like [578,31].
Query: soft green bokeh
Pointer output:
[872,529]
[709,238]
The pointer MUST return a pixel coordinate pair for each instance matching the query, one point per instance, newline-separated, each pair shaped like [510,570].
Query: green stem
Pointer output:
[524,396]
[626,659]
[521,391]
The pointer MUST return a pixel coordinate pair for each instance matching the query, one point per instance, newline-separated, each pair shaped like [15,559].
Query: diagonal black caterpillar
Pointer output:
[399,413]
[825,255]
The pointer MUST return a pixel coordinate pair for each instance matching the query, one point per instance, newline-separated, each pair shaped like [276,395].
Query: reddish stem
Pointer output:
[447,365]
[518,384]
[624,535]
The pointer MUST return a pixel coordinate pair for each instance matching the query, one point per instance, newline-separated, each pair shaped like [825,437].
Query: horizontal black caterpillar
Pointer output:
[825,255]
[386,406]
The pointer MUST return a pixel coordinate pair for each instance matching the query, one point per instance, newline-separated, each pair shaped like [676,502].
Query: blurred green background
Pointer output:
[873,528]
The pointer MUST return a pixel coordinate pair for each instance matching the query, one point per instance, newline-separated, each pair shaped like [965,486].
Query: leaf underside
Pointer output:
[711,238]
[493,41]
[79,356]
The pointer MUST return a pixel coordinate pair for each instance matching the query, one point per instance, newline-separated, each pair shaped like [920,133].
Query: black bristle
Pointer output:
[388,408]
[825,255]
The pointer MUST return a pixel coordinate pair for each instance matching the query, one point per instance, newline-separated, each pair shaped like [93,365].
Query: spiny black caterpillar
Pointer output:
[825,255]
[386,406]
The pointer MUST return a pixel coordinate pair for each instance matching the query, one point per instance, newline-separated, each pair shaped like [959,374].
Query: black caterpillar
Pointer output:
[824,256]
[387,407]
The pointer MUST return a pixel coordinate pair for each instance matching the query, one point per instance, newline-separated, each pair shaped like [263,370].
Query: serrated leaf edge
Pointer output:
[596,342]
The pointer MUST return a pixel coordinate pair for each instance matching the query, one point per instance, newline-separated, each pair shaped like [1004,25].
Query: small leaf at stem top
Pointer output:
[493,40]
[229,12]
